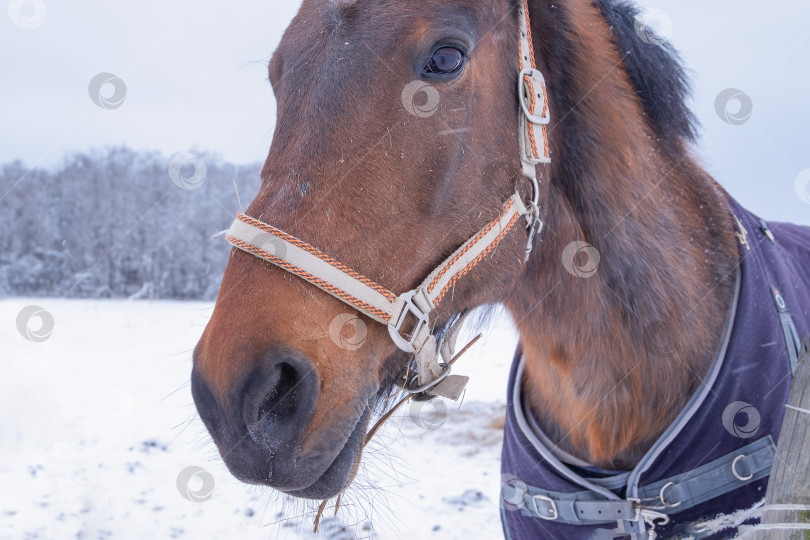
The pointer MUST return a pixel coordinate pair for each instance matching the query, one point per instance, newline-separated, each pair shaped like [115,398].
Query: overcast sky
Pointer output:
[195,75]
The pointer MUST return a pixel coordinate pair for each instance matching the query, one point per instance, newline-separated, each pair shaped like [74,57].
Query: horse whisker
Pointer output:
[318,515]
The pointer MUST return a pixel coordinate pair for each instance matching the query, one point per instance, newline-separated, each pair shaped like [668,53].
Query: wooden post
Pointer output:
[790,477]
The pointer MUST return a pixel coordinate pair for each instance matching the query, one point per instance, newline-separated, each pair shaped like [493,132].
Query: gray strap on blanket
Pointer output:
[725,474]
[565,508]
[792,341]
[671,495]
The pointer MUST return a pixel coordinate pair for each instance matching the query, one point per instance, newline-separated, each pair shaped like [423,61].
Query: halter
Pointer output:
[432,357]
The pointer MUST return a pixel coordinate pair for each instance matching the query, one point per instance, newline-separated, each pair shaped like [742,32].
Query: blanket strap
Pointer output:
[656,500]
[792,340]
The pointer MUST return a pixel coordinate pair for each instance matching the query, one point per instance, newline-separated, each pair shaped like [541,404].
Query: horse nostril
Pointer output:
[279,398]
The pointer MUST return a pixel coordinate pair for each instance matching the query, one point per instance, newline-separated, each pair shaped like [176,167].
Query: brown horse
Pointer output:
[390,190]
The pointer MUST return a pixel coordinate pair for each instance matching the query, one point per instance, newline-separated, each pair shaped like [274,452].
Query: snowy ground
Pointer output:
[97,422]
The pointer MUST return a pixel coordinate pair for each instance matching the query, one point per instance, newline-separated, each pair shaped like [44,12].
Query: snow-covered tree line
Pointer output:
[119,223]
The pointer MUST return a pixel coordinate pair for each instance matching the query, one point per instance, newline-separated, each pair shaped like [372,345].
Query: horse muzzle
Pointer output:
[260,426]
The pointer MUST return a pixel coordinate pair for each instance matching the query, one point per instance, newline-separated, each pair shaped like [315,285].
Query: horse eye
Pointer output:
[445,60]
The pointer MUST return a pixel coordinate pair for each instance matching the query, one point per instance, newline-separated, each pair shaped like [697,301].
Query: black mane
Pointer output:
[656,71]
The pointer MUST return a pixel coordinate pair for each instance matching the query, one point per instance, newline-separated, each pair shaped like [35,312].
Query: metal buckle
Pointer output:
[396,322]
[554,514]
[539,83]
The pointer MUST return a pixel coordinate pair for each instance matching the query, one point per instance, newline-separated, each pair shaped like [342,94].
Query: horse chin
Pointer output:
[342,470]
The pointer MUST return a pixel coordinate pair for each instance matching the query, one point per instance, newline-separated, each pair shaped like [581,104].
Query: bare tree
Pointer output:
[112,223]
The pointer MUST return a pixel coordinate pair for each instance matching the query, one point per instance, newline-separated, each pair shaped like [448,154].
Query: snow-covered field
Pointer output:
[97,423]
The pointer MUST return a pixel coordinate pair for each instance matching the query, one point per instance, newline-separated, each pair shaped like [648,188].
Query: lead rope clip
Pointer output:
[652,518]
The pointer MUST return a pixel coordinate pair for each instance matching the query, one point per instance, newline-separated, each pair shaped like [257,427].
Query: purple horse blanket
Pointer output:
[716,457]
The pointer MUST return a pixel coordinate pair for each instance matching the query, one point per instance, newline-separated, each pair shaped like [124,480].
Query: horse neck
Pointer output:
[611,359]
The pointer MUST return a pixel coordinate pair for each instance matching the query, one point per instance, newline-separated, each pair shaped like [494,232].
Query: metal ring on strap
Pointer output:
[662,496]
[734,469]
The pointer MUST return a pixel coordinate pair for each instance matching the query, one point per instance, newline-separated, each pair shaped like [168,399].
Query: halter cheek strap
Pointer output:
[432,357]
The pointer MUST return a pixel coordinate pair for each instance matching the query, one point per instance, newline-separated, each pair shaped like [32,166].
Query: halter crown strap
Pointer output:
[432,358]
[534,113]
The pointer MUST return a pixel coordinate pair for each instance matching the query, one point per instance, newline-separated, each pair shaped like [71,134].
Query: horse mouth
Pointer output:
[341,472]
